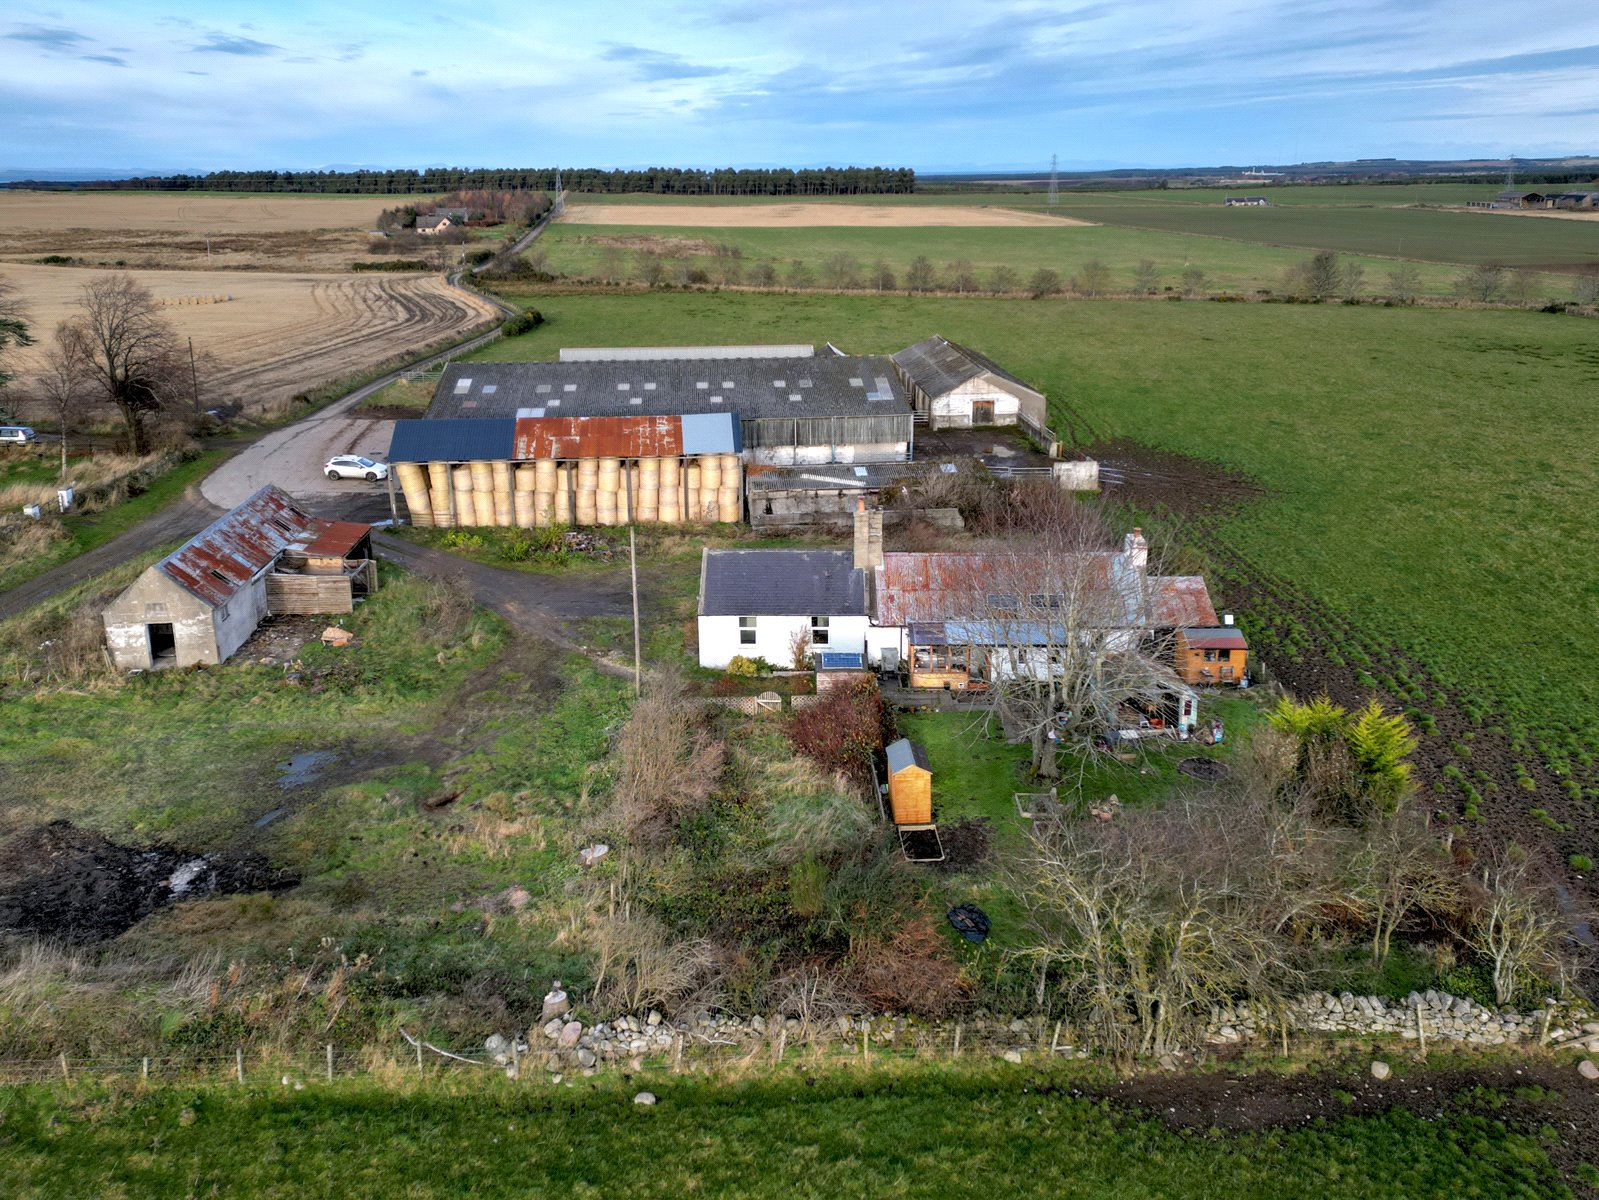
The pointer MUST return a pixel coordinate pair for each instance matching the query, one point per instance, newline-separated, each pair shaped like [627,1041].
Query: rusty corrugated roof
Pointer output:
[943,587]
[225,555]
[598,437]
[1176,601]
[337,538]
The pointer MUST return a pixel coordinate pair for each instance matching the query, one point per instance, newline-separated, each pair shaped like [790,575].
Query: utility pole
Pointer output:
[194,381]
[1054,181]
[632,564]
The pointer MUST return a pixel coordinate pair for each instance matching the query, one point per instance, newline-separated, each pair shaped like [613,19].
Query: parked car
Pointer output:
[16,435]
[355,466]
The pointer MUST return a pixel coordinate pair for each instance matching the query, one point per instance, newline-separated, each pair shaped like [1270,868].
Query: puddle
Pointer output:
[1582,930]
[303,768]
[266,819]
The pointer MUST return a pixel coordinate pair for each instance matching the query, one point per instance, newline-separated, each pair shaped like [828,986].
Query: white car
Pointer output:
[19,435]
[355,466]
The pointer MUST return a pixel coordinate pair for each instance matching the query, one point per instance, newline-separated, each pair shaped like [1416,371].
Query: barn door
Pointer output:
[163,642]
[982,412]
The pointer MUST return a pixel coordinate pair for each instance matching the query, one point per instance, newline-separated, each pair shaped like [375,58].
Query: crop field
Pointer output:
[1415,468]
[581,251]
[803,215]
[271,336]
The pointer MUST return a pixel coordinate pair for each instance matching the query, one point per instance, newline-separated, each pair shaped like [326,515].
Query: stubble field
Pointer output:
[808,215]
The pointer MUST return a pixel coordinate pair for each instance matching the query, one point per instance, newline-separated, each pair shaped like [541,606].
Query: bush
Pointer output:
[1580,862]
[524,322]
[398,264]
[843,731]
[739,664]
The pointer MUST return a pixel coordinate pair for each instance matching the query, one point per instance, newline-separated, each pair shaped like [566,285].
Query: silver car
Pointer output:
[17,435]
[355,466]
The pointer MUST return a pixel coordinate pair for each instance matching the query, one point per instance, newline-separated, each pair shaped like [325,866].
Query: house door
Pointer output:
[163,643]
[982,412]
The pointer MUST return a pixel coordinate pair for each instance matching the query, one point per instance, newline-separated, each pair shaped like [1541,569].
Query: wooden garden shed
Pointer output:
[1215,655]
[910,783]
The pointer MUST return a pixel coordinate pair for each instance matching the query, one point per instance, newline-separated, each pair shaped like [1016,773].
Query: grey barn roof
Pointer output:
[938,365]
[755,583]
[864,385]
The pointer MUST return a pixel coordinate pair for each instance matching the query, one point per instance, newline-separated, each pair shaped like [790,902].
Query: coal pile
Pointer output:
[77,886]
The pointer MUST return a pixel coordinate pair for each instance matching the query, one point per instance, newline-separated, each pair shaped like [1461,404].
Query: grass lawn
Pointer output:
[1416,463]
[921,1131]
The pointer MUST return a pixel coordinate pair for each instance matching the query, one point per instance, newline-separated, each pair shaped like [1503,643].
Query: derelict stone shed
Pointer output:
[200,603]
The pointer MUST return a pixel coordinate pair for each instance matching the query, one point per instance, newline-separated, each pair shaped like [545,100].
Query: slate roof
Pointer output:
[860,385]
[785,583]
[938,365]
[906,753]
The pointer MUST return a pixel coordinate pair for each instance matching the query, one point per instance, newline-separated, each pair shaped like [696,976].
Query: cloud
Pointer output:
[111,59]
[51,37]
[221,43]
[418,73]
[656,65]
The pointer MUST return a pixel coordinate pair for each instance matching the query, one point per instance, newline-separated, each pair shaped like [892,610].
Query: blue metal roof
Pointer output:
[453,439]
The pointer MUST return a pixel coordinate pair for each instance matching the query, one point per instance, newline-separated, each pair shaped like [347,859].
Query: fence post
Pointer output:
[64,1074]
[1054,1041]
[238,1063]
[782,1042]
[516,1060]
[866,1048]
[956,1052]
[330,1062]
[419,1052]
[144,1071]
[677,1054]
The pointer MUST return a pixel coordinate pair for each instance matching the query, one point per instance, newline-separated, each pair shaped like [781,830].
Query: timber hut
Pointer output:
[1214,655]
[910,784]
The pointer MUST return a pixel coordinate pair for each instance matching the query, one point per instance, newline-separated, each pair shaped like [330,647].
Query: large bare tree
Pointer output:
[130,350]
[66,383]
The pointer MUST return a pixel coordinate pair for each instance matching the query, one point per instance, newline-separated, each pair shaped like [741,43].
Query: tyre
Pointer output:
[371,476]
[334,475]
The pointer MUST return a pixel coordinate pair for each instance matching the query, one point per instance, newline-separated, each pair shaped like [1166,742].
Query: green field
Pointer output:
[1424,466]
[920,1132]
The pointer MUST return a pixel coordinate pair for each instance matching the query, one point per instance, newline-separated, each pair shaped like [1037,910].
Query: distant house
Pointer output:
[955,388]
[200,603]
[1245,202]
[1569,200]
[435,224]
[758,603]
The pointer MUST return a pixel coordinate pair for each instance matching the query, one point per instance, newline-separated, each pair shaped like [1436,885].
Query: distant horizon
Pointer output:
[993,87]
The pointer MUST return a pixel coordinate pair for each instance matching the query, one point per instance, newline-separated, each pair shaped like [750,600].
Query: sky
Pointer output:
[932,84]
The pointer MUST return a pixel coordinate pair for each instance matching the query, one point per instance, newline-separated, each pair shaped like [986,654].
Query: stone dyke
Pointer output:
[564,1044]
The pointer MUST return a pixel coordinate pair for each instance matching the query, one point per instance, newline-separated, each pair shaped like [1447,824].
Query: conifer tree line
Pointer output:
[665,181]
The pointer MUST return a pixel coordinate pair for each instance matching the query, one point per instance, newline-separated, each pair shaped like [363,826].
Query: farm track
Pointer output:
[1470,764]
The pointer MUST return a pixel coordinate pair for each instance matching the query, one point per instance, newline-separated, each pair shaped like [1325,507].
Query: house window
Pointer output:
[1218,655]
[819,631]
[746,631]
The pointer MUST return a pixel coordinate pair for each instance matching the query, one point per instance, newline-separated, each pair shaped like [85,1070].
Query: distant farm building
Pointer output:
[435,224]
[200,603]
[1245,202]
[956,388]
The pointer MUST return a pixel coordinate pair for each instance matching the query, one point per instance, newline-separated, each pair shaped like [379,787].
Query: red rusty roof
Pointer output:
[1223,637]
[337,539]
[942,587]
[1176,601]
[224,556]
[598,437]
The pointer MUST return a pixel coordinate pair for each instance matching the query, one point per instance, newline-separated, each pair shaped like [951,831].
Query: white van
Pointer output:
[19,435]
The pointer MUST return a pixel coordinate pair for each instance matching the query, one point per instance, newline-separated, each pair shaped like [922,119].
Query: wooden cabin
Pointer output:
[910,783]
[1217,655]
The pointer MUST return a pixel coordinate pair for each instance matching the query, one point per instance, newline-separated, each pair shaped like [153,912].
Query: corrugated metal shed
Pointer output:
[667,353]
[463,439]
[598,437]
[338,539]
[225,555]
[1179,600]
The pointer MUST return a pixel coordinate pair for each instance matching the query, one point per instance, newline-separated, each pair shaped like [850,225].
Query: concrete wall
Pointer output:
[236,620]
[818,456]
[953,410]
[719,638]
[154,599]
[1078,475]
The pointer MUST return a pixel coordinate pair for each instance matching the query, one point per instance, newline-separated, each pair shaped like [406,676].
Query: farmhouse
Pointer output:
[764,603]
[955,388]
[267,556]
[435,224]
[1245,202]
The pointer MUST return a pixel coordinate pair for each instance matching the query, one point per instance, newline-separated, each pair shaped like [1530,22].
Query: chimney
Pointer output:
[868,536]
[1137,550]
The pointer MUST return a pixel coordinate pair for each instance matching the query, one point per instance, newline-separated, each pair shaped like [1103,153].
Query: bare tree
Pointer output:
[1519,286]
[730,270]
[13,325]
[919,275]
[1351,278]
[1315,279]
[1404,281]
[841,271]
[1484,282]
[1002,281]
[1586,290]
[882,276]
[1044,282]
[1146,278]
[764,274]
[67,383]
[649,267]
[961,276]
[1518,927]
[1093,279]
[130,349]
[1399,869]
[1193,281]
[799,275]
[609,264]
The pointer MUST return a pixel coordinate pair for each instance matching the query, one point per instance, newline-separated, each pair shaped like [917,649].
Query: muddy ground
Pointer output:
[77,886]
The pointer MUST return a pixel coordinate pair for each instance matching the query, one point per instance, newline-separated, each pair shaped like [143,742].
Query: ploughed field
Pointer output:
[271,335]
[1405,507]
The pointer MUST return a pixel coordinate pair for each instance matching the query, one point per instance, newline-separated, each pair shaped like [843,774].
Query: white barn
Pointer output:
[956,388]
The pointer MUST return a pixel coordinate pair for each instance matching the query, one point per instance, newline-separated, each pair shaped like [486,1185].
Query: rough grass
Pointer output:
[919,1132]
[1422,467]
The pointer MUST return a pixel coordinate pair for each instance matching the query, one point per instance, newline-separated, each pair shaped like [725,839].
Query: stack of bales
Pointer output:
[444,513]
[670,496]
[609,497]
[413,482]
